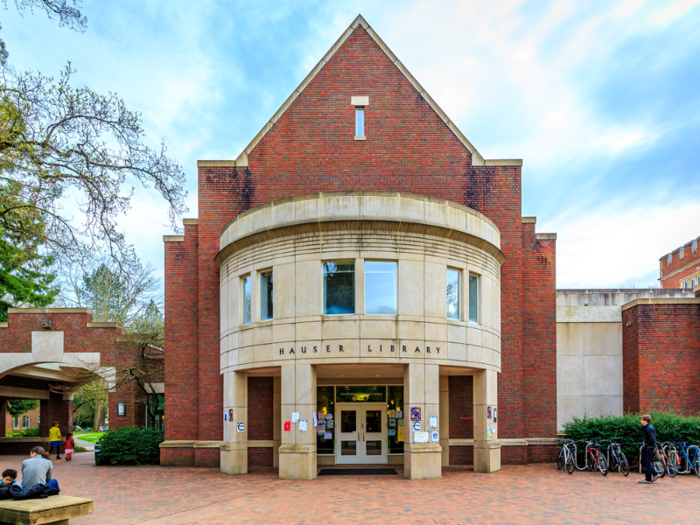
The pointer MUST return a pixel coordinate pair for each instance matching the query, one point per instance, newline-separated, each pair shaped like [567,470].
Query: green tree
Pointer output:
[17,407]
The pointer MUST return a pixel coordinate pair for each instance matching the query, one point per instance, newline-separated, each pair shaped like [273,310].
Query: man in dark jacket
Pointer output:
[648,450]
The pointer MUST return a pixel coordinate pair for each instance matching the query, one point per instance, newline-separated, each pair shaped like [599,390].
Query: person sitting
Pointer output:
[38,469]
[9,478]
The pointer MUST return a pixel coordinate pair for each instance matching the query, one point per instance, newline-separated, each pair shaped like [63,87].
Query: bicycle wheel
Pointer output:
[696,464]
[590,460]
[672,464]
[560,460]
[570,463]
[602,464]
[624,465]
[660,467]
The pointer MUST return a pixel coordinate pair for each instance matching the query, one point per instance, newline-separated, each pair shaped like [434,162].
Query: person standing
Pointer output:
[55,439]
[648,450]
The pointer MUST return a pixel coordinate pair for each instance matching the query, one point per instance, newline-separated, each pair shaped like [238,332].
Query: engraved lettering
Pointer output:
[303,349]
[380,348]
[369,348]
[328,348]
[340,348]
[281,351]
[392,348]
[427,349]
[417,350]
[291,351]
[404,348]
[438,349]
[315,349]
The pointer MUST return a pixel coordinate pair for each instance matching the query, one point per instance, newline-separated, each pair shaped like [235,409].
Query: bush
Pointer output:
[29,432]
[131,446]
[669,427]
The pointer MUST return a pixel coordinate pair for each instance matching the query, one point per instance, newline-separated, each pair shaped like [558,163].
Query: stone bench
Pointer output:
[54,509]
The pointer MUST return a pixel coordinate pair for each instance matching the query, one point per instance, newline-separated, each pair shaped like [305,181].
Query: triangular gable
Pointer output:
[477,158]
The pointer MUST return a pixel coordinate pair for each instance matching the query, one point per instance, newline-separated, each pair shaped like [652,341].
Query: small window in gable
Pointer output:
[360,103]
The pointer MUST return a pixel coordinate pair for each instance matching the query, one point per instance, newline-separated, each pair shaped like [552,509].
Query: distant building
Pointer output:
[681,267]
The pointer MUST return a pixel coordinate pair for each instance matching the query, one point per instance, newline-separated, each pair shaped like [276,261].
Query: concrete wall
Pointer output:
[589,349]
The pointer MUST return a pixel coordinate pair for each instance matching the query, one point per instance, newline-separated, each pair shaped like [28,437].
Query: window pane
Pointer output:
[380,287]
[348,448]
[453,293]
[361,394]
[359,122]
[338,288]
[245,284]
[373,448]
[373,418]
[348,421]
[265,296]
[474,298]
[395,404]
[325,404]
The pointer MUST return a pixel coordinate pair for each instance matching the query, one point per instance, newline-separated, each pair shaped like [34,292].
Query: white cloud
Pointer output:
[615,246]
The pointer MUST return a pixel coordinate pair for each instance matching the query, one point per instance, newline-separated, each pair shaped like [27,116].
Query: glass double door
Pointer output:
[361,433]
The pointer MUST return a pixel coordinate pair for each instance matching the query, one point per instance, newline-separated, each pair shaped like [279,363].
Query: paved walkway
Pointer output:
[515,495]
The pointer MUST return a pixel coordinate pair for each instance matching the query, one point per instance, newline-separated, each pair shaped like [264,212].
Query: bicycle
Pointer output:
[566,456]
[595,457]
[689,458]
[673,459]
[616,458]
[659,460]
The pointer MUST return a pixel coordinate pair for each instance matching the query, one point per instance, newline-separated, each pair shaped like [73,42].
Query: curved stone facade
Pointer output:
[293,237]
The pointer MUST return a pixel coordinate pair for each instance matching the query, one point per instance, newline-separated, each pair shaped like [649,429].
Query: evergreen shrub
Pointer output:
[669,427]
[131,446]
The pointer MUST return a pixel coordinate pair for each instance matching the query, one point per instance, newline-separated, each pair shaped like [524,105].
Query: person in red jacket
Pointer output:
[70,446]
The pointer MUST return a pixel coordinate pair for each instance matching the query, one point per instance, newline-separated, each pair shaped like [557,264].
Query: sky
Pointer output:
[600,99]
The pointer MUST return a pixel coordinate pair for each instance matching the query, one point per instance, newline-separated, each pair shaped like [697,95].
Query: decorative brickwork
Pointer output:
[260,457]
[260,409]
[461,400]
[661,357]
[539,372]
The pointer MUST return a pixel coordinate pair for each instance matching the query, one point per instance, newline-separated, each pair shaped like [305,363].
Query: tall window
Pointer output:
[338,288]
[359,122]
[246,302]
[380,287]
[26,422]
[453,293]
[15,422]
[121,410]
[474,298]
[266,295]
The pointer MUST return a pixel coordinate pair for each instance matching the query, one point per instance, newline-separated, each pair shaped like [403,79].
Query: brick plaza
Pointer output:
[523,494]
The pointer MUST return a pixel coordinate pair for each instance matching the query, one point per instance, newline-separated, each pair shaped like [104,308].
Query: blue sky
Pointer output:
[600,100]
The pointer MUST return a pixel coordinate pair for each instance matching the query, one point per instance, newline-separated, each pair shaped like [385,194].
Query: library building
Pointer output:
[360,288]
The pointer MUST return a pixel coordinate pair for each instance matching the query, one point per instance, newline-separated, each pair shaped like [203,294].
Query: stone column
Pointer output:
[487,449]
[444,420]
[276,419]
[234,451]
[297,454]
[421,390]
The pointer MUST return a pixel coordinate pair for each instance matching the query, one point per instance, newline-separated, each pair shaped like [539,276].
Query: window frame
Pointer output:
[121,409]
[396,284]
[26,421]
[360,122]
[262,274]
[242,281]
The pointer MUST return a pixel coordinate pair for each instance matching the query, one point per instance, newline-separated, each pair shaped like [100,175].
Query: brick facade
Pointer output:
[260,408]
[661,356]
[461,404]
[311,149]
[684,263]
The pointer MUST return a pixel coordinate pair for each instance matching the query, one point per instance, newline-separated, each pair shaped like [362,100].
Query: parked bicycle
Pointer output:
[567,456]
[596,457]
[688,458]
[660,459]
[615,457]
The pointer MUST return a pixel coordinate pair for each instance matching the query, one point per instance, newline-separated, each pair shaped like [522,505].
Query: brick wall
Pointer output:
[461,404]
[461,455]
[539,372]
[690,264]
[260,457]
[310,149]
[661,357]
[260,408]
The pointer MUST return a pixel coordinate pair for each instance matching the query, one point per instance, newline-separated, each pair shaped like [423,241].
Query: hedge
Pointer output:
[131,446]
[669,427]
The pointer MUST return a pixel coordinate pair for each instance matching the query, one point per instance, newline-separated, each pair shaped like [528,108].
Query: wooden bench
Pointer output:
[54,509]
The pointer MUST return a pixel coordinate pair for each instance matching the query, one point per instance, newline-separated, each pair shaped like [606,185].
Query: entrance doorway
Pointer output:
[361,436]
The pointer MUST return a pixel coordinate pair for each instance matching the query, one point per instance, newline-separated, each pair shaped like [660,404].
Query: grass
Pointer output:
[80,449]
[90,437]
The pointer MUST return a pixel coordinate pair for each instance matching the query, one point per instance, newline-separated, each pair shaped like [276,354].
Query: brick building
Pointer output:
[407,285]
[681,267]
[44,351]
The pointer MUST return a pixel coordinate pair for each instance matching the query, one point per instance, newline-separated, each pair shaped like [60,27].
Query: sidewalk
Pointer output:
[528,494]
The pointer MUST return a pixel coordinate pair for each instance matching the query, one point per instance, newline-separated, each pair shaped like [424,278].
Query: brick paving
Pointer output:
[516,495]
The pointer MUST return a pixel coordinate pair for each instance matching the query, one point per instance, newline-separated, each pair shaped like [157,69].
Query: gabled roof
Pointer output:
[477,158]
